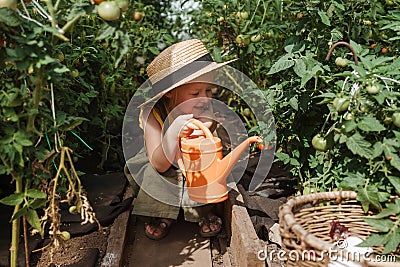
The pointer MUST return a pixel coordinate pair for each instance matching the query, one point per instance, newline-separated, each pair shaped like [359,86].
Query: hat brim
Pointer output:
[210,67]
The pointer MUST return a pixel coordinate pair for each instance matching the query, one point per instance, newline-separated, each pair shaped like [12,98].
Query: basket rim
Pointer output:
[286,215]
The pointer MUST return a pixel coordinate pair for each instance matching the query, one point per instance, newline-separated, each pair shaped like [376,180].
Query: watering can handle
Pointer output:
[202,127]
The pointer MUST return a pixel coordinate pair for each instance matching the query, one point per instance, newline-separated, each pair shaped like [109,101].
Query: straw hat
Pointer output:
[178,64]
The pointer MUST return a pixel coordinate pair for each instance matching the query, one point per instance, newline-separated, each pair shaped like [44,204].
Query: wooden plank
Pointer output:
[225,251]
[117,238]
[244,242]
[182,247]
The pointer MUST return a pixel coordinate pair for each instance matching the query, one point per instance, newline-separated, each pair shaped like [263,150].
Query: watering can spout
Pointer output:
[228,162]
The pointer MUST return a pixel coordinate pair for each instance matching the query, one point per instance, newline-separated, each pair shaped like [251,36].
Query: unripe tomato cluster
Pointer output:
[111,10]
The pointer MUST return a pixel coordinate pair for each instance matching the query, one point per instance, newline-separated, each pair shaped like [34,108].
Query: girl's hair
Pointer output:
[164,106]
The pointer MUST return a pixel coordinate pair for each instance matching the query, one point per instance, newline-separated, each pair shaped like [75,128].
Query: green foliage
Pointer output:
[389,229]
[65,83]
[355,105]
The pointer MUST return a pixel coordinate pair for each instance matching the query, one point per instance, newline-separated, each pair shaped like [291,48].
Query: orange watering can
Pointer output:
[202,164]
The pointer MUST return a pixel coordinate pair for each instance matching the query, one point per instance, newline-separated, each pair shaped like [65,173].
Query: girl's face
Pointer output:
[193,98]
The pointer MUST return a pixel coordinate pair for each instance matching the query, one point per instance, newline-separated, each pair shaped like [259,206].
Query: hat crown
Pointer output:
[175,57]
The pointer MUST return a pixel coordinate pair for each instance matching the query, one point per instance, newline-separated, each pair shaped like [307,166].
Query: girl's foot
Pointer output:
[210,225]
[157,228]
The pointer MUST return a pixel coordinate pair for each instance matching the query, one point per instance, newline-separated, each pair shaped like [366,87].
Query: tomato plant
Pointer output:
[310,95]
[70,96]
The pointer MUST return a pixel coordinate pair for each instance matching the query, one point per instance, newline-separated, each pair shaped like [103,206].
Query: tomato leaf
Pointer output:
[395,181]
[124,42]
[369,124]
[395,161]
[324,18]
[374,240]
[379,224]
[294,103]
[37,203]
[13,200]
[377,150]
[33,219]
[105,31]
[19,213]
[392,243]
[154,50]
[352,181]
[368,196]
[9,17]
[300,67]
[349,126]
[282,64]
[391,209]
[34,193]
[359,146]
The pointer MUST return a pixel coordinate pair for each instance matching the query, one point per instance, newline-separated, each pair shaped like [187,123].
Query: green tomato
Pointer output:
[373,88]
[387,120]
[109,10]
[247,112]
[74,73]
[320,143]
[367,22]
[348,116]
[65,235]
[123,5]
[255,38]
[341,62]
[220,19]
[73,210]
[242,40]
[396,119]
[341,104]
[60,56]
[242,15]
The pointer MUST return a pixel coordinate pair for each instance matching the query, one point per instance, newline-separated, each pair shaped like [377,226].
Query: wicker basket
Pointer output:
[305,226]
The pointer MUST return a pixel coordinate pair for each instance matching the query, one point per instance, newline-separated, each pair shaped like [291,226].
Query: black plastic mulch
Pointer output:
[263,203]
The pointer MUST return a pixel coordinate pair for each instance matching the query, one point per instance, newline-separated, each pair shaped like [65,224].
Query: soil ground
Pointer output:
[75,250]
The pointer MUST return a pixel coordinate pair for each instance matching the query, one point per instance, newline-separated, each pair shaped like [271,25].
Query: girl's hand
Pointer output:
[182,127]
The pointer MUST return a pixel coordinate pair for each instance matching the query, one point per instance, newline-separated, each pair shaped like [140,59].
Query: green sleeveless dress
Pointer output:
[160,194]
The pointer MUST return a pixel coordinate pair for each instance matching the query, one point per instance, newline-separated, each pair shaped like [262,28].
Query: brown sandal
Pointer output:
[161,225]
[210,220]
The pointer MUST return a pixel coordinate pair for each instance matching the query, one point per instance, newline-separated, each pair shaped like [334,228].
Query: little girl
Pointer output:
[178,80]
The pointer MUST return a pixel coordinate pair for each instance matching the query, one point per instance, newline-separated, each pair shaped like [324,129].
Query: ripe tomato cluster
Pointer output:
[111,10]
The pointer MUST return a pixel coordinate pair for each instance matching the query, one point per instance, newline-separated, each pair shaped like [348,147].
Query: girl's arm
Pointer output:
[160,158]
[161,150]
